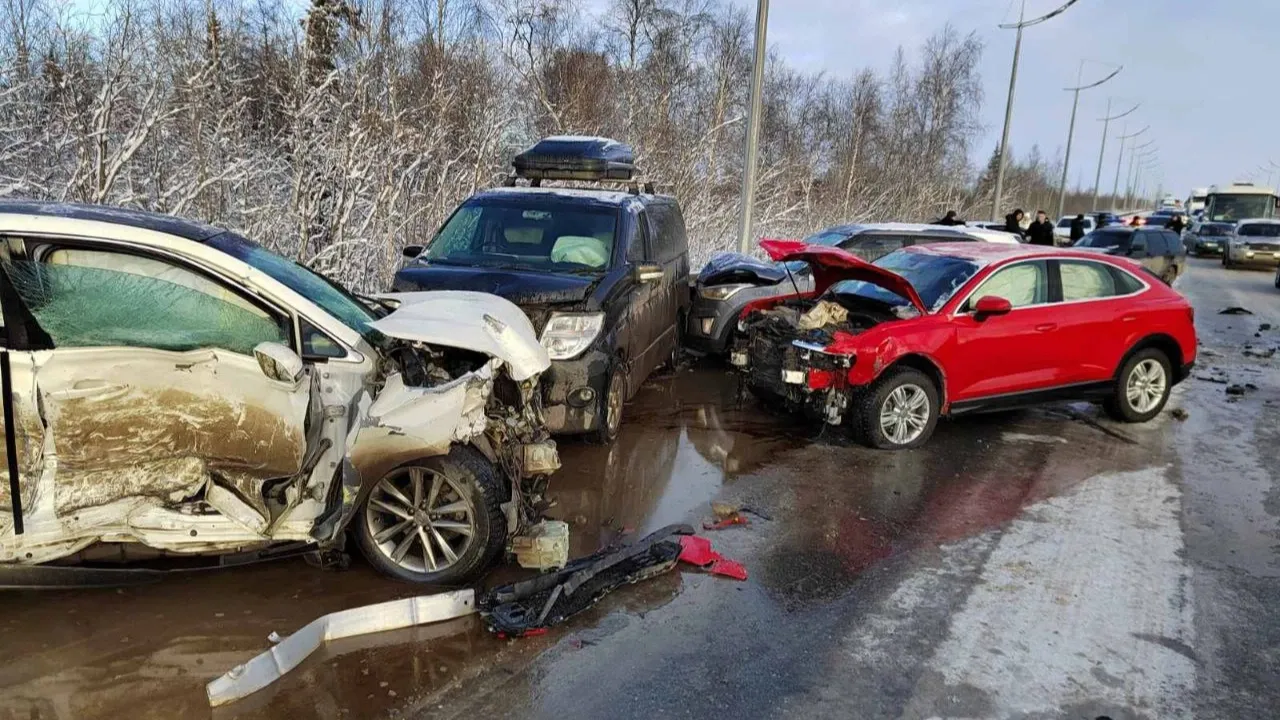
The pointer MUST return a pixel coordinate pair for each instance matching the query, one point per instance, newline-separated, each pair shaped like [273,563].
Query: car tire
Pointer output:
[466,479]
[1142,387]
[896,388]
[611,403]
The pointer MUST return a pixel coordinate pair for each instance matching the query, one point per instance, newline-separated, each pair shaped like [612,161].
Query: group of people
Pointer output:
[1040,231]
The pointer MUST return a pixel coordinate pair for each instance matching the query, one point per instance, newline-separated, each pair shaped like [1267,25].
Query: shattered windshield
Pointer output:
[935,278]
[552,237]
[329,295]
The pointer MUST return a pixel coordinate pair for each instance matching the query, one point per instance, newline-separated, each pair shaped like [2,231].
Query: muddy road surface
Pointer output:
[1037,564]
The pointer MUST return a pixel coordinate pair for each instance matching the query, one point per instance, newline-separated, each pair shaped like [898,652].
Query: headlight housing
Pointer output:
[721,292]
[568,335]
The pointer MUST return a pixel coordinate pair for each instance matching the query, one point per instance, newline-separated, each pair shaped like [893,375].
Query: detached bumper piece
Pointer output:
[531,606]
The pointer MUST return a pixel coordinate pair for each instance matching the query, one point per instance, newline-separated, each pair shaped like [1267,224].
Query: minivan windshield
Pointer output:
[935,278]
[553,237]
[329,295]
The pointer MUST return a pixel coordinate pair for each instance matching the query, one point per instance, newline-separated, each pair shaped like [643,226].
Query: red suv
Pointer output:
[951,328]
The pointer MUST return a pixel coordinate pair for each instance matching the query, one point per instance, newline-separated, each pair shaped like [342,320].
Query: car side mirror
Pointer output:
[648,273]
[412,251]
[278,362]
[991,306]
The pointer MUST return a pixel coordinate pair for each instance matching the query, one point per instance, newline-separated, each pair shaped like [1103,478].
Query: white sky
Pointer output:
[1190,63]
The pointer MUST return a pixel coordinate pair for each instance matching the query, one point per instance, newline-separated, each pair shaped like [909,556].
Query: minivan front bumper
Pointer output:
[571,393]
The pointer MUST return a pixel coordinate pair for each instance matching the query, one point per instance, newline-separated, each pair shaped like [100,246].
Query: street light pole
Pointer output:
[1106,124]
[1008,108]
[1128,188]
[753,129]
[1115,187]
[1071,130]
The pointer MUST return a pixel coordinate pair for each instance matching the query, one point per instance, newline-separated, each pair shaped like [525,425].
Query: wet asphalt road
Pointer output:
[1038,564]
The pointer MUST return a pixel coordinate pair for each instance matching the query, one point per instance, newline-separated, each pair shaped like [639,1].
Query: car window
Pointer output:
[551,236]
[1171,241]
[873,246]
[638,251]
[1086,280]
[935,278]
[1259,230]
[97,298]
[317,344]
[668,232]
[1126,284]
[1105,239]
[1139,243]
[1064,223]
[1022,284]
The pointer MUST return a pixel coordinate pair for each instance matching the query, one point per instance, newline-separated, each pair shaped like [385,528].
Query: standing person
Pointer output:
[950,219]
[1013,223]
[1176,223]
[1041,230]
[1077,228]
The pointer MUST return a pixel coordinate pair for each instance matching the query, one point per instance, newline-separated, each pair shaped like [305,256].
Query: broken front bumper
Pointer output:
[571,393]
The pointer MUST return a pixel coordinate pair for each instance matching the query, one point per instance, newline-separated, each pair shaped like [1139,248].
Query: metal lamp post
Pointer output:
[1133,157]
[1013,82]
[1071,129]
[1115,187]
[1106,124]
[753,128]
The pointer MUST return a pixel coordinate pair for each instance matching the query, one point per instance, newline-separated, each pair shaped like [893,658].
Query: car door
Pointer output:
[1140,251]
[1094,317]
[666,241]
[1012,353]
[148,385]
[646,298]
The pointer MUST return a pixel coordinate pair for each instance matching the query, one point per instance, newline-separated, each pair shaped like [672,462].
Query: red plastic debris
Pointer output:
[734,519]
[697,551]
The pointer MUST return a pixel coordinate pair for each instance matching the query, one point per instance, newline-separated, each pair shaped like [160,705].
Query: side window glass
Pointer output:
[1138,244]
[316,344]
[1085,280]
[637,251]
[659,233]
[1171,240]
[1022,285]
[1126,284]
[95,298]
[459,233]
[873,247]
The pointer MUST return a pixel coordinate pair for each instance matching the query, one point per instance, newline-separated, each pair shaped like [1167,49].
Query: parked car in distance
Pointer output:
[1206,238]
[1103,219]
[602,273]
[730,281]
[1159,250]
[930,331]
[181,390]
[1255,242]
[1062,231]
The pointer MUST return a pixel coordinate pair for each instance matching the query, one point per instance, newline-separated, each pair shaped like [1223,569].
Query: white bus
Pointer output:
[1196,202]
[1239,201]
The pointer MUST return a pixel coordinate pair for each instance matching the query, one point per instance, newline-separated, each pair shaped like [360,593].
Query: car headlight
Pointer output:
[568,335]
[721,292]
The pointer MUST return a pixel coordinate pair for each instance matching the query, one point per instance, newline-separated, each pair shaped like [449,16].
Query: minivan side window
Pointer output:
[637,251]
[666,232]
[1139,242]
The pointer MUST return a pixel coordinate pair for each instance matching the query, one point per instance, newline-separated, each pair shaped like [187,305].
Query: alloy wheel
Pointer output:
[1146,386]
[613,403]
[904,414]
[420,519]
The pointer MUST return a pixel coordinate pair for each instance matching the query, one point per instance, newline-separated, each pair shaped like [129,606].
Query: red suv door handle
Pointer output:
[1047,327]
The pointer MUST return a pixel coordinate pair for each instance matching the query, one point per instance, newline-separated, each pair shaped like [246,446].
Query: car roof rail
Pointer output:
[633,186]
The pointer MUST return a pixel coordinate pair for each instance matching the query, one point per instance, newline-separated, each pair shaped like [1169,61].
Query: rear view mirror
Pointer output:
[648,273]
[992,305]
[412,251]
[278,362]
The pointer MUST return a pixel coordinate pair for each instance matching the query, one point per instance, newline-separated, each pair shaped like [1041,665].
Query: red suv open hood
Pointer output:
[831,265]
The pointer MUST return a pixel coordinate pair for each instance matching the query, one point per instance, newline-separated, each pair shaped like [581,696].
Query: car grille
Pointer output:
[1265,247]
[768,357]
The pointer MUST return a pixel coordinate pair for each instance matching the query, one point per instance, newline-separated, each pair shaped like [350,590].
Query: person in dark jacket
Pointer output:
[1176,224]
[950,219]
[1077,229]
[1041,230]
[1013,223]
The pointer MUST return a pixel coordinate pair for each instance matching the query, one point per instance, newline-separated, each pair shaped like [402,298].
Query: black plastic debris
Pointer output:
[1261,353]
[1180,414]
[547,600]
[1235,310]
[1264,327]
[1236,390]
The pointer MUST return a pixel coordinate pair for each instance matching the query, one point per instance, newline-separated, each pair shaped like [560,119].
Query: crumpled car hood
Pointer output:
[730,267]
[831,265]
[470,321]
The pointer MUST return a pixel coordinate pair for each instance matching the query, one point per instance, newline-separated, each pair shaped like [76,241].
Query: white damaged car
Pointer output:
[172,388]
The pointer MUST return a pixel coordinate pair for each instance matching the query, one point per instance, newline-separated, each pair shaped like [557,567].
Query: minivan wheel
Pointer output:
[611,402]
[436,520]
[1142,387]
[898,412]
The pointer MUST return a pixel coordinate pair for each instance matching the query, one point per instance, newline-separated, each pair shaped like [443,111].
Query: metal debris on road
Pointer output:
[1235,310]
[531,606]
[1260,353]
[1264,327]
[1180,414]
[288,653]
